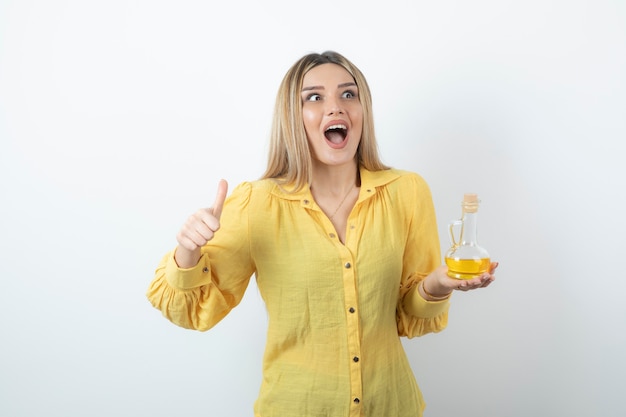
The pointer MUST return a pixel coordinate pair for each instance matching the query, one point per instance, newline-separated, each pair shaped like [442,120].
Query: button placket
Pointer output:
[353,329]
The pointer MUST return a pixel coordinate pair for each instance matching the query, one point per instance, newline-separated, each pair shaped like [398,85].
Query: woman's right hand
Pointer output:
[199,228]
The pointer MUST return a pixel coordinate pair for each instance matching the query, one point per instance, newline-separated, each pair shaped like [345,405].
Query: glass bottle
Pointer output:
[465,258]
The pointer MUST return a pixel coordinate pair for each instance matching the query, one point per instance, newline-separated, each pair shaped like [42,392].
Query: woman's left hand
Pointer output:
[480,281]
[438,283]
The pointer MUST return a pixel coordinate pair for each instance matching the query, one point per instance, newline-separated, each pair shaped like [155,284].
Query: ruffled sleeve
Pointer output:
[414,315]
[199,297]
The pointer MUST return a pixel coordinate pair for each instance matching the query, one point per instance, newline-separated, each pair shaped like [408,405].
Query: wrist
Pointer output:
[185,258]
[436,296]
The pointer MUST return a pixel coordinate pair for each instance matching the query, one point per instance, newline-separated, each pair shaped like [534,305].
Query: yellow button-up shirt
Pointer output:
[335,310]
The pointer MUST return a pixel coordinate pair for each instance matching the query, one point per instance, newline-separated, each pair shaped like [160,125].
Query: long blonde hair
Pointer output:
[289,156]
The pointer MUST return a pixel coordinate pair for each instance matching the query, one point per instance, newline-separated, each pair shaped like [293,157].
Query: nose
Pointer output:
[334,107]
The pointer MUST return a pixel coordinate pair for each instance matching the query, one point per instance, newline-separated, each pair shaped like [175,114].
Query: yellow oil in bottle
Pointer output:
[467,268]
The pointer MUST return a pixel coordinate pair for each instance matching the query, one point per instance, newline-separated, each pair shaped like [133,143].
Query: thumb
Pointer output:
[222,190]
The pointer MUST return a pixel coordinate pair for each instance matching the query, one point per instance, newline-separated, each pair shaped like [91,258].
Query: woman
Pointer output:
[345,251]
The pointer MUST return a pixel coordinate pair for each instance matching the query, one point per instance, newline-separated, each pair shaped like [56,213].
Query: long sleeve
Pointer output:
[416,316]
[199,297]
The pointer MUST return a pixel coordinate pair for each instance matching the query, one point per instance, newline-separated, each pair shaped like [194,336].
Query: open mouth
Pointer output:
[336,133]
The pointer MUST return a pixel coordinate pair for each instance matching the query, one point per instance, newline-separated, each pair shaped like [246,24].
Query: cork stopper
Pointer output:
[470,203]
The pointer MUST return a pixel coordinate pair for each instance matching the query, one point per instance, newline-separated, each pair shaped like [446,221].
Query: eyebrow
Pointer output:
[319,87]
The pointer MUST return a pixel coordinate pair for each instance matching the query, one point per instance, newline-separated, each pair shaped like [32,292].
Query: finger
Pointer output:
[186,243]
[201,237]
[190,237]
[485,280]
[469,284]
[200,227]
[218,205]
[474,282]
[462,286]
[205,223]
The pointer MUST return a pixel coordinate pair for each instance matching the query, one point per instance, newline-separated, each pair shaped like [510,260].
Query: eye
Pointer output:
[349,94]
[313,97]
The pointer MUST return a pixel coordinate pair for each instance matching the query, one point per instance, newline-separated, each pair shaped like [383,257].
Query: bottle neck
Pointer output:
[470,229]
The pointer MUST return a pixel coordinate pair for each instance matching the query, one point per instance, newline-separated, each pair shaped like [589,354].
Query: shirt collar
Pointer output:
[370,180]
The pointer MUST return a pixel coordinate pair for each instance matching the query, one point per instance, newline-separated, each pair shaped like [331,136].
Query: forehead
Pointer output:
[326,74]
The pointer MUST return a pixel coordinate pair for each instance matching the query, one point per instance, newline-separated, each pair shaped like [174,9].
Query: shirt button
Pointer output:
[332,235]
[356,359]
[347,265]
[205,269]
[356,401]
[306,201]
[351,310]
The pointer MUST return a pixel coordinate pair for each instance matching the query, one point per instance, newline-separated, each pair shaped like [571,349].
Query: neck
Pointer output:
[336,180]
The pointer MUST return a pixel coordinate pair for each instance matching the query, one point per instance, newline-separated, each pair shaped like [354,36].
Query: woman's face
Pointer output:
[332,114]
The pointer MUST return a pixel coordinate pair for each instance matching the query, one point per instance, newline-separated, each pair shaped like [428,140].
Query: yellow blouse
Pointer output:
[335,310]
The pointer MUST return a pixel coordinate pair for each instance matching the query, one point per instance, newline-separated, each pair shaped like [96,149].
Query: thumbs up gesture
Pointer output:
[199,228]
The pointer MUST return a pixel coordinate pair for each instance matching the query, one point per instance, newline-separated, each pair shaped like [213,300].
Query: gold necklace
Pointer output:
[342,201]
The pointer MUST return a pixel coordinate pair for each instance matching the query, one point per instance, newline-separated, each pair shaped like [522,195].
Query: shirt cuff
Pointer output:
[417,306]
[188,278]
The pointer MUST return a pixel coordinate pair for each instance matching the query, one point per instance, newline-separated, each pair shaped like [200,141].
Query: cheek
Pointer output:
[356,114]
[309,119]
[357,123]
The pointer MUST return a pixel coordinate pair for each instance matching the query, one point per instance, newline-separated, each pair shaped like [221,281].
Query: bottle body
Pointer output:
[467,266]
[465,258]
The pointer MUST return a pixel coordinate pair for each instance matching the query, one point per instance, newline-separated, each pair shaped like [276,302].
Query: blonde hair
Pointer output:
[289,156]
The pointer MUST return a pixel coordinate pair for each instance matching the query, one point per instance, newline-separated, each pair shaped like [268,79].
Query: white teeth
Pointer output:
[337,127]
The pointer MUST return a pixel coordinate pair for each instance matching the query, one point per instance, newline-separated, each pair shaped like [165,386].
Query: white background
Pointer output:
[118,118]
